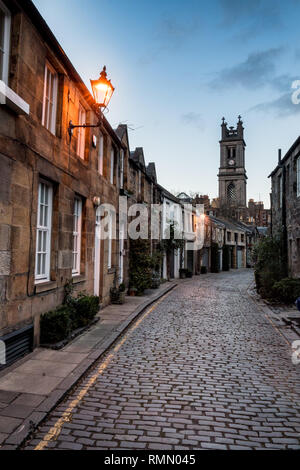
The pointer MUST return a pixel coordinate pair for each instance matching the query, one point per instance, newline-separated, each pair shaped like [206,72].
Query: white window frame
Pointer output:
[6,42]
[121,168]
[100,155]
[49,121]
[109,250]
[77,223]
[81,131]
[43,226]
[298,176]
[112,164]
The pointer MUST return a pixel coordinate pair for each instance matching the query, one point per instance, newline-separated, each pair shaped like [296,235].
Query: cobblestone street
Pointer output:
[204,369]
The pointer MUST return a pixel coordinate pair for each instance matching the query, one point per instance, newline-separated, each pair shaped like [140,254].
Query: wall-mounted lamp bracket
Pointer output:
[74,126]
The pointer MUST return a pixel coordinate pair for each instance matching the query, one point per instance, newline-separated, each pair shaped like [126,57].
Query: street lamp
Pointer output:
[102,91]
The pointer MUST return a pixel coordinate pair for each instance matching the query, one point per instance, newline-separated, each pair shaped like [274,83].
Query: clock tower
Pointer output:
[232,173]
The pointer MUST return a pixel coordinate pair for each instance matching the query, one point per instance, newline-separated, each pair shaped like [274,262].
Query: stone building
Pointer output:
[257,214]
[285,205]
[50,184]
[232,173]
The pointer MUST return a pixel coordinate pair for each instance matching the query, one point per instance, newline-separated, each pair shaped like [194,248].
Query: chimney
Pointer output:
[279,156]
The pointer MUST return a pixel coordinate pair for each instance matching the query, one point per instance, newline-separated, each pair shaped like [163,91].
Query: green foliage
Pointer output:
[287,290]
[140,265]
[215,265]
[76,312]
[122,287]
[84,308]
[55,325]
[174,240]
[226,258]
[269,264]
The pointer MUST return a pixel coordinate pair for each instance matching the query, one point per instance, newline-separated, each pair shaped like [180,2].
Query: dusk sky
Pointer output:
[178,67]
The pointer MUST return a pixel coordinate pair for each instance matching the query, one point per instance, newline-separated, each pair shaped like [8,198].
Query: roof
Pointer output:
[45,32]
[287,155]
[230,224]
[137,156]
[216,221]
[168,195]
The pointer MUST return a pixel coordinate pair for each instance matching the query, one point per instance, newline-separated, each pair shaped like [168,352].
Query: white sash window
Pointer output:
[77,222]
[50,98]
[43,237]
[5,21]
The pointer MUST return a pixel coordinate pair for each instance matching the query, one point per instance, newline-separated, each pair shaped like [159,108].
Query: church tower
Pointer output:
[232,173]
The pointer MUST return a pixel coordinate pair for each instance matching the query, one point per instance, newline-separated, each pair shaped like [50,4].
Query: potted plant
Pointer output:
[132,291]
[155,281]
[117,293]
[189,273]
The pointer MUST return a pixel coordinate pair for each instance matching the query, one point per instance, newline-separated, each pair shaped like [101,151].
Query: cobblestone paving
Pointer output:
[204,370]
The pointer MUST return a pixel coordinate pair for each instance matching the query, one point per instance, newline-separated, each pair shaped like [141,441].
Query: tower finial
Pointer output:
[239,117]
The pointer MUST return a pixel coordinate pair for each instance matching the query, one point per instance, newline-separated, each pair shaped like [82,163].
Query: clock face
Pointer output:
[231,162]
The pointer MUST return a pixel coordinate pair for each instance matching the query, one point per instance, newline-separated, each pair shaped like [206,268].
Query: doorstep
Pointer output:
[34,385]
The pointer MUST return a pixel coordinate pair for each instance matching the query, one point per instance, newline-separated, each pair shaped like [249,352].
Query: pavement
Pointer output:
[205,367]
[33,386]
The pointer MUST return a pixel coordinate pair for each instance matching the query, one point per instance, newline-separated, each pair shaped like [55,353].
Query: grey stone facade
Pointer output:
[285,203]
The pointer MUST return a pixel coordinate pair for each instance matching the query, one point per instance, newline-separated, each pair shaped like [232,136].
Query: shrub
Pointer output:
[287,290]
[122,287]
[140,265]
[55,325]
[269,264]
[84,308]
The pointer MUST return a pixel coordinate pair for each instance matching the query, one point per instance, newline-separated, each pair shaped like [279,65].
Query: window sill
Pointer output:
[13,101]
[45,286]
[78,278]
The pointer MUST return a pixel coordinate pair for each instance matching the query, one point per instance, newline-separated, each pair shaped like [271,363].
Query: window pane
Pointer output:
[39,241]
[38,270]
[43,269]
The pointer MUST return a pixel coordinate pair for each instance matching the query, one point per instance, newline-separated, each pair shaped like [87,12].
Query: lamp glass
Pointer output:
[102,90]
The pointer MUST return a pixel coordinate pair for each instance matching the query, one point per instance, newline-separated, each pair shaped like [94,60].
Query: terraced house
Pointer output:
[51,185]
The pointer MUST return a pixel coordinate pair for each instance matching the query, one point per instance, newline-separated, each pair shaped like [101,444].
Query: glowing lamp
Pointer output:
[102,89]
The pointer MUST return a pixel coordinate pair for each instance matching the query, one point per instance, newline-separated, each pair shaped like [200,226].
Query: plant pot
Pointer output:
[189,274]
[132,291]
[155,283]
[117,297]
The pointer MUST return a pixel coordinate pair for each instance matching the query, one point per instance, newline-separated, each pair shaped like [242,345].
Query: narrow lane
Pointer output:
[204,369]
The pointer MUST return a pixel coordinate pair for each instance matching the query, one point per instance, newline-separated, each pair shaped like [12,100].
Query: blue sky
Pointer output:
[178,67]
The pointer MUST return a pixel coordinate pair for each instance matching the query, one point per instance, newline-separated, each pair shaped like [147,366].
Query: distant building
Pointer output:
[257,214]
[232,173]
